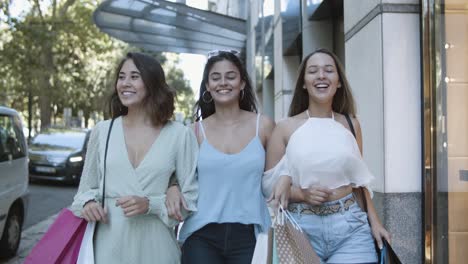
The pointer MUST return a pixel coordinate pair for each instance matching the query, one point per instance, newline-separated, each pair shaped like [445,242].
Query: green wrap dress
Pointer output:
[144,238]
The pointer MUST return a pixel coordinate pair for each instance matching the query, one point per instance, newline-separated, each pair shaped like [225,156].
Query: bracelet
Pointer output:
[92,200]
[149,205]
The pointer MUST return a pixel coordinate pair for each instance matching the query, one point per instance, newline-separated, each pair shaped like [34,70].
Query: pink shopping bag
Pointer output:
[61,243]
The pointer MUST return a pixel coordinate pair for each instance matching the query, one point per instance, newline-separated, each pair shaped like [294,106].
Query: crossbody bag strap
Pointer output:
[358,192]
[350,123]
[105,159]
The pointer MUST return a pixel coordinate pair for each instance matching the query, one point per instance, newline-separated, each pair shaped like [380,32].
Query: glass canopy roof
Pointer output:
[160,25]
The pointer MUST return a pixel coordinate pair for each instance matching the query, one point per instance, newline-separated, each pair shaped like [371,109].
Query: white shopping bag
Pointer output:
[261,249]
[86,255]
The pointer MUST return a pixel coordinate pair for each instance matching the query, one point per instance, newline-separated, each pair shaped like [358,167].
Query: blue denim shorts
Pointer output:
[342,237]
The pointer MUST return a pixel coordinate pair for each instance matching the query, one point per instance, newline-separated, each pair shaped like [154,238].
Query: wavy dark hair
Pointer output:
[247,102]
[343,101]
[159,100]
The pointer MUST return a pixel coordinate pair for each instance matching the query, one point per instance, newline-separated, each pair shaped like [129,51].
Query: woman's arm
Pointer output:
[174,199]
[86,201]
[277,188]
[185,172]
[378,231]
[266,130]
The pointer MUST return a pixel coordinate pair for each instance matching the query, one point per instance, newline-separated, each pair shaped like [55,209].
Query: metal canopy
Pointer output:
[160,25]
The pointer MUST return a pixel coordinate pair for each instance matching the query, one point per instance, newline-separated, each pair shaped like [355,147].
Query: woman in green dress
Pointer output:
[145,149]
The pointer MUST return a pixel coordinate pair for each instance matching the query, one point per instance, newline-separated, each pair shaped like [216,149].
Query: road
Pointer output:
[46,199]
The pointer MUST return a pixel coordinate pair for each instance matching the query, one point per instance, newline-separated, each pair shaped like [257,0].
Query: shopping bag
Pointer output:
[263,248]
[61,243]
[274,252]
[387,255]
[292,244]
[86,253]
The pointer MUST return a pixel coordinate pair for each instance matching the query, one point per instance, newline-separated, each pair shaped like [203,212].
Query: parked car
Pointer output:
[58,155]
[13,181]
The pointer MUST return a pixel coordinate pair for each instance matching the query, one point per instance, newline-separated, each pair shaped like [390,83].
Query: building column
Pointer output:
[382,50]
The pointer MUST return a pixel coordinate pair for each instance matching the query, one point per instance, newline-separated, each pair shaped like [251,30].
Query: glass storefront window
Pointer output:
[446,126]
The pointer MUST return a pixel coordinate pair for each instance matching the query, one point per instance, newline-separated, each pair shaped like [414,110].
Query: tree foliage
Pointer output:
[55,57]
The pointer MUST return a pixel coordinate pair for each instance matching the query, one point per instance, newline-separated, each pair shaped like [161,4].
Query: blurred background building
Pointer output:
[407,63]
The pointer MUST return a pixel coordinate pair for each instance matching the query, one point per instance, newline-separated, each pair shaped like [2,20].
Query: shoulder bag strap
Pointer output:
[350,123]
[358,192]
[105,159]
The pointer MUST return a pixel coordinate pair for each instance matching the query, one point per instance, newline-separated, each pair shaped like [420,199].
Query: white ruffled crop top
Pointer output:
[320,152]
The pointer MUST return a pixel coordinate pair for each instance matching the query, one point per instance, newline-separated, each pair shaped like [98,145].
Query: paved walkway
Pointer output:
[29,238]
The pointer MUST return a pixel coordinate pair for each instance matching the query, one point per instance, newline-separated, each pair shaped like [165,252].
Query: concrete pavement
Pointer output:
[29,238]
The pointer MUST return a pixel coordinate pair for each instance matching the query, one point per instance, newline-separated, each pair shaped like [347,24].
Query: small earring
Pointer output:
[203,98]
[242,94]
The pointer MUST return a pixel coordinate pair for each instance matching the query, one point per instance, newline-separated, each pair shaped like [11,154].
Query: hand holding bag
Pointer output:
[386,255]
[292,244]
[67,236]
[86,255]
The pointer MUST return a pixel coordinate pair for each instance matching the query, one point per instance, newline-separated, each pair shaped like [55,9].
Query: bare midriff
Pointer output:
[340,192]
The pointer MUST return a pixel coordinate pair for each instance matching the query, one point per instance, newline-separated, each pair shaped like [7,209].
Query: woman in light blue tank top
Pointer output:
[232,138]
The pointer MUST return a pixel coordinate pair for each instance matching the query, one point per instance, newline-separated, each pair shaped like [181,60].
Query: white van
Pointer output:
[13,181]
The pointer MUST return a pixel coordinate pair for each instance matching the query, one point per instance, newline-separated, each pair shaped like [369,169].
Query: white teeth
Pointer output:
[321,85]
[224,91]
[128,93]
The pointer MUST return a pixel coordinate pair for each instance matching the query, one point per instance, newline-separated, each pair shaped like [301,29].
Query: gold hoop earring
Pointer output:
[204,100]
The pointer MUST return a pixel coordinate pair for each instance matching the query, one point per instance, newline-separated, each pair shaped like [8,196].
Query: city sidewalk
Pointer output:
[29,238]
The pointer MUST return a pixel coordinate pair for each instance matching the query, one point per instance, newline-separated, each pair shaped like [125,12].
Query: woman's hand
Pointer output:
[174,201]
[379,233]
[133,205]
[315,194]
[281,192]
[93,212]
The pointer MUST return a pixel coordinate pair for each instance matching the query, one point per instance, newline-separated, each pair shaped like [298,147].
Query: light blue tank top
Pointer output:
[229,187]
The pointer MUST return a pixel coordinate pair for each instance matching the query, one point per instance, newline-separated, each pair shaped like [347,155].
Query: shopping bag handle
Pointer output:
[282,213]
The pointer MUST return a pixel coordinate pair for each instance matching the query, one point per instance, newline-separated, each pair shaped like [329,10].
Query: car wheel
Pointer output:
[11,233]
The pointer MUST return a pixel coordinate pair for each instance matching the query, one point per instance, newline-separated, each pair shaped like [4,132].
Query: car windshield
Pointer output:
[59,140]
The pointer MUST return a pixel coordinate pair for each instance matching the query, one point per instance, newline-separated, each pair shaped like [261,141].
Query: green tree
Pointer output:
[55,57]
[184,94]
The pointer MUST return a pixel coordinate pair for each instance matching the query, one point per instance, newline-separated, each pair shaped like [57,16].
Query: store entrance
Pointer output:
[449,127]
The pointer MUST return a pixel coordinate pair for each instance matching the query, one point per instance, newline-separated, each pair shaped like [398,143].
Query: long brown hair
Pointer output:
[343,100]
[159,100]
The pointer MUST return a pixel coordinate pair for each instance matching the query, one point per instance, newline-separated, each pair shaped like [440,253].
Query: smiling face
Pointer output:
[224,82]
[321,78]
[130,86]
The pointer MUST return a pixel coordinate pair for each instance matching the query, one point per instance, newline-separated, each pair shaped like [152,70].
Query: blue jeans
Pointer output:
[230,243]
[342,237]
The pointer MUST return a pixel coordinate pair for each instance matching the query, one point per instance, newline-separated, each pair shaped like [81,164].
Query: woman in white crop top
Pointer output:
[314,162]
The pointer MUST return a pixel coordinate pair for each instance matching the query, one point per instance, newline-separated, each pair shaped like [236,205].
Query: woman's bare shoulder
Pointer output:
[288,125]
[341,118]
